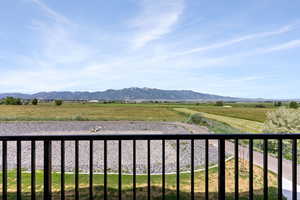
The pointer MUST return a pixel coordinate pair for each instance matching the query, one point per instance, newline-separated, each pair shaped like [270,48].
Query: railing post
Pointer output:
[221,169]
[47,170]
[4,170]
[19,170]
[294,169]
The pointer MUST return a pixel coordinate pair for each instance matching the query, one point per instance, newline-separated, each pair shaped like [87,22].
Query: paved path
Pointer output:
[272,166]
[258,160]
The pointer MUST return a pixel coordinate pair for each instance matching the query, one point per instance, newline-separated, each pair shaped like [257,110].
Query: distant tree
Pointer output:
[35,101]
[219,103]
[294,105]
[277,103]
[58,102]
[260,106]
[12,101]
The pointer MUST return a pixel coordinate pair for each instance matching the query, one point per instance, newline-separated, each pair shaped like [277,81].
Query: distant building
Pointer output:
[93,101]
[227,106]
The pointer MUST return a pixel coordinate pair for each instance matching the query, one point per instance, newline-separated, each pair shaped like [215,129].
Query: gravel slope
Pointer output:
[108,127]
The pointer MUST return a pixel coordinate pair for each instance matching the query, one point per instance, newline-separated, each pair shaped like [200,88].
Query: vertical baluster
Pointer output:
[134,170]
[33,195]
[236,168]
[105,169]
[91,173]
[251,169]
[163,170]
[19,175]
[47,170]
[221,169]
[149,169]
[206,169]
[62,170]
[279,169]
[294,161]
[4,169]
[192,171]
[266,169]
[120,169]
[178,169]
[76,169]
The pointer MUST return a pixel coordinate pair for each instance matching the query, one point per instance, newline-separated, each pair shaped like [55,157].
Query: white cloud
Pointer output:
[65,56]
[156,19]
[284,46]
[281,30]
[265,50]
[60,46]
[51,13]
[57,41]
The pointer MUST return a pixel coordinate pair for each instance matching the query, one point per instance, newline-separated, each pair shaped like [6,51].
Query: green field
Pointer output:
[253,114]
[135,112]
[245,119]
[240,124]
[142,184]
[79,112]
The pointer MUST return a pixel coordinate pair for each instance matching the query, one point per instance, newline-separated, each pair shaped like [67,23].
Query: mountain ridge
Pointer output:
[130,94]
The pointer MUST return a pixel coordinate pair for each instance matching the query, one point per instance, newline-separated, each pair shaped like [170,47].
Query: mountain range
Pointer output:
[130,94]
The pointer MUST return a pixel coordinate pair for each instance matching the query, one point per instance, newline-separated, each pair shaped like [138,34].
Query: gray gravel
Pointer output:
[108,127]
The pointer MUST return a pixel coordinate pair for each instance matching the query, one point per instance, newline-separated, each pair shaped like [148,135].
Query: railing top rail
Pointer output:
[154,136]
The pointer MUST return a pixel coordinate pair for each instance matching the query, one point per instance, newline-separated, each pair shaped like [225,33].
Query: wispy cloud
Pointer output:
[281,30]
[156,19]
[51,13]
[284,46]
[59,53]
[58,45]
[265,50]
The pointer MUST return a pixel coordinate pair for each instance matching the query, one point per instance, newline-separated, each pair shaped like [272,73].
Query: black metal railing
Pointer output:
[221,138]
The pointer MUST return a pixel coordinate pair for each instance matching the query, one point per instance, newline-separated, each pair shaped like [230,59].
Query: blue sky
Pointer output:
[235,48]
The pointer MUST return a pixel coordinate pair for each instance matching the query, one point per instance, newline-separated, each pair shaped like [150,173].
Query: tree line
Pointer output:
[19,101]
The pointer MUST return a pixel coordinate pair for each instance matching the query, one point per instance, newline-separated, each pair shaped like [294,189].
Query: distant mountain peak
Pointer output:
[132,93]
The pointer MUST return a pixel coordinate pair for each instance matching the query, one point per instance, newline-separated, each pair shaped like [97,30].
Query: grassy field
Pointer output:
[77,111]
[246,119]
[143,112]
[253,114]
[240,124]
[155,183]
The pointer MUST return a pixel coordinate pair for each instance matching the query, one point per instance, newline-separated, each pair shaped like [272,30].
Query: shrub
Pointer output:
[12,101]
[35,101]
[79,118]
[198,119]
[277,103]
[260,106]
[58,102]
[283,121]
[294,105]
[213,125]
[219,103]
